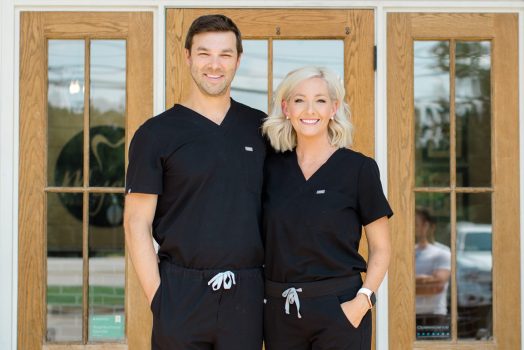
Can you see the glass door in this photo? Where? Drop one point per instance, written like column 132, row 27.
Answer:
column 454, row 177
column 85, row 85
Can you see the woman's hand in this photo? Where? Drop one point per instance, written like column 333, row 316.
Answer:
column 152, row 292
column 355, row 309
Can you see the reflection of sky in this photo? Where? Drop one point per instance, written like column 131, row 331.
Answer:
column 108, row 75
column 66, row 74
column 292, row 54
column 250, row 84
column 65, row 69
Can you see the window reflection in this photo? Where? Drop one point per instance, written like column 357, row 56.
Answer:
column 292, row 54
column 431, row 98
column 250, row 83
column 65, row 110
column 64, row 270
column 433, row 266
column 474, row 266
column 473, row 111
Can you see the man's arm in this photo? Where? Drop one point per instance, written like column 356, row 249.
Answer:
column 432, row 284
column 138, row 220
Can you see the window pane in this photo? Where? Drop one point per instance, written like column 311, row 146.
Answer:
column 474, row 266
column 106, row 267
column 433, row 266
column 107, row 113
column 431, row 98
column 292, row 54
column 64, row 268
column 65, row 110
column 250, row 83
column 473, row 111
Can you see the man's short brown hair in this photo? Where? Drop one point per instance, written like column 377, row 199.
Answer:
column 213, row 23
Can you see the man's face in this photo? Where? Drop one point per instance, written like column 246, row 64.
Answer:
column 213, row 61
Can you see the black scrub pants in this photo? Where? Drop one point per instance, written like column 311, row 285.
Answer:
column 189, row 315
column 323, row 324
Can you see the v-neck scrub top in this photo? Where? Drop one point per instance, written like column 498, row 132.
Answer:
column 313, row 227
column 208, row 179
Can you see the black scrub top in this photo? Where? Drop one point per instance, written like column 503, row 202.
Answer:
column 313, row 227
column 208, row 179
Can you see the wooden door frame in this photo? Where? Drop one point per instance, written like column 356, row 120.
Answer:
column 35, row 29
column 502, row 30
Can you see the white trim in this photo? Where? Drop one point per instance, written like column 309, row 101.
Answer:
column 8, row 180
column 447, row 5
column 381, row 156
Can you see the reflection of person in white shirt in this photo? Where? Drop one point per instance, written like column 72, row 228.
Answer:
column 433, row 270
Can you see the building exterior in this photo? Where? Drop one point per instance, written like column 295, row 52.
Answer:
column 436, row 90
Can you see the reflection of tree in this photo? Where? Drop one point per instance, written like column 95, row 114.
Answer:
column 473, row 118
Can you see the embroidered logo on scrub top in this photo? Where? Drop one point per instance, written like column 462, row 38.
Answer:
column 248, row 148
column 321, row 191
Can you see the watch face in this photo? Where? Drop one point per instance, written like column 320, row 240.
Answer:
column 373, row 299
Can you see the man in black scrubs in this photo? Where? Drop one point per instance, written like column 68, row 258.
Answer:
column 194, row 182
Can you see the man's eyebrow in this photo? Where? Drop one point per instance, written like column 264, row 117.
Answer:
column 202, row 48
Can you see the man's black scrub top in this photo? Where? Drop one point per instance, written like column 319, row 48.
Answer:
column 208, row 179
column 313, row 228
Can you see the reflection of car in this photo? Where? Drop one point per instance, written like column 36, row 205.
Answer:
column 474, row 262
column 474, row 278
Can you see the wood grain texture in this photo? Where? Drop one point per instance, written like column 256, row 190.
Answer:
column 139, row 109
column 452, row 25
column 36, row 28
column 403, row 29
column 31, row 241
column 401, row 181
column 506, row 223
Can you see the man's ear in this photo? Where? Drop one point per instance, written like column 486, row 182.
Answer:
column 188, row 55
column 238, row 60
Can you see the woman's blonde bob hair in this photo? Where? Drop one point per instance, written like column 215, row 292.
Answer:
column 280, row 131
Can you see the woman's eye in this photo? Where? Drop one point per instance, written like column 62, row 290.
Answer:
column 298, row 100
column 321, row 100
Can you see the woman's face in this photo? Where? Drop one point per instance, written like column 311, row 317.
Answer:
column 309, row 108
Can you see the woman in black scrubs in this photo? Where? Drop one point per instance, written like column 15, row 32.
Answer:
column 318, row 196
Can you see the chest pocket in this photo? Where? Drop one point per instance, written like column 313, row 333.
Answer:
column 330, row 210
column 253, row 167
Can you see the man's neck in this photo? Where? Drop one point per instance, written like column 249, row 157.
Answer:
column 212, row 107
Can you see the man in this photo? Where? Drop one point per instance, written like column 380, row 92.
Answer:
column 433, row 270
column 194, row 181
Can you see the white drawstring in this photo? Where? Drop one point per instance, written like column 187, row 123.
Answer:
column 227, row 278
column 291, row 296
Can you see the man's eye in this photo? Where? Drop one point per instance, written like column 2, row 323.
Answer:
column 203, row 54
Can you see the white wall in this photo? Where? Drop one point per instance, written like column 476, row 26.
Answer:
column 9, row 48
column 8, row 175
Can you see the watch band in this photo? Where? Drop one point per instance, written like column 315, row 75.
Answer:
column 369, row 295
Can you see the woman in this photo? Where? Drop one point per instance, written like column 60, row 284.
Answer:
column 318, row 195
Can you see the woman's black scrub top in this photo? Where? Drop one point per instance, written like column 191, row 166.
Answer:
column 313, row 227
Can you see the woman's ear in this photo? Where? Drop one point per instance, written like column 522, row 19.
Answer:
column 284, row 108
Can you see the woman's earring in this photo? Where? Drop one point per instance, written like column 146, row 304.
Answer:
column 287, row 117
column 332, row 117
